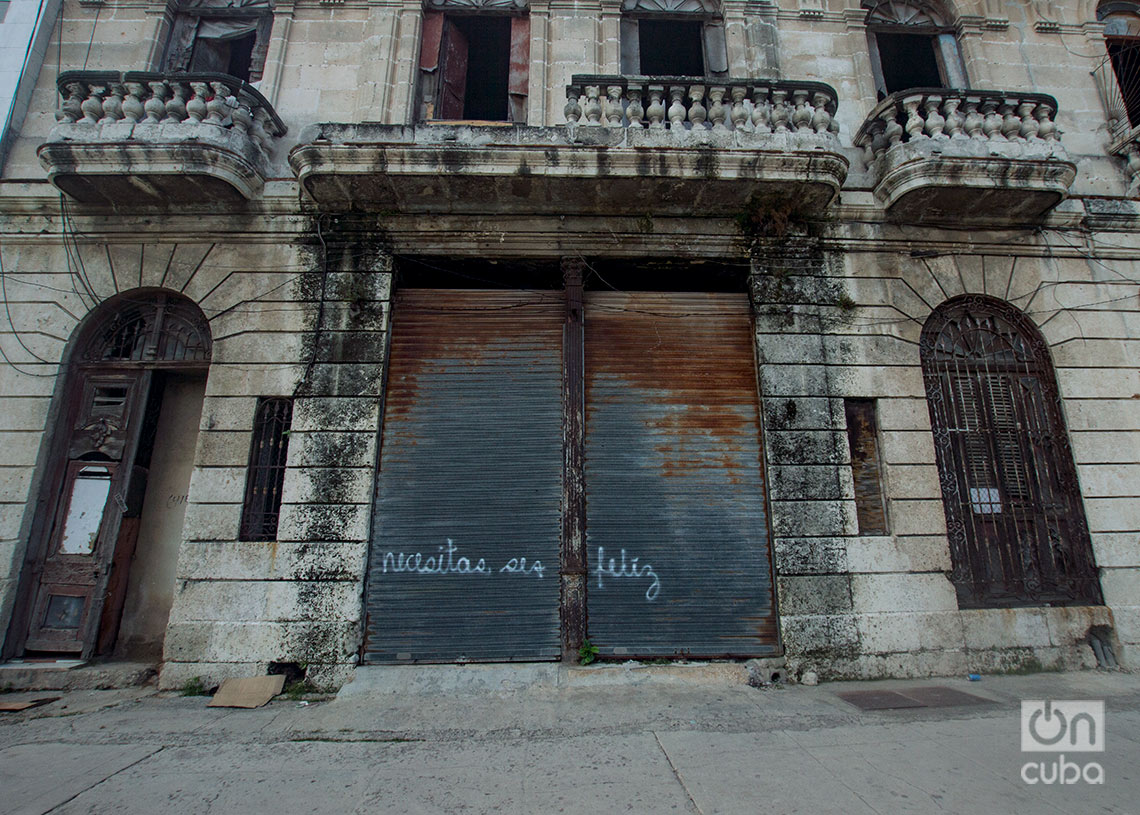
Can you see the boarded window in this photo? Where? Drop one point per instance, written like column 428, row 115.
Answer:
column 866, row 466
column 266, row 474
column 474, row 67
column 1018, row 534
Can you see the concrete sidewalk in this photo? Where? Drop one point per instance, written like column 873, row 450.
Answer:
column 540, row 739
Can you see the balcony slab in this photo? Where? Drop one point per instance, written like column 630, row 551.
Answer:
column 474, row 169
column 969, row 181
column 124, row 164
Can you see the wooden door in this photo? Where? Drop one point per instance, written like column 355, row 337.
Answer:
column 98, row 484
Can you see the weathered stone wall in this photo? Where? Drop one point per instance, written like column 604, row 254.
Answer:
column 298, row 306
column 873, row 606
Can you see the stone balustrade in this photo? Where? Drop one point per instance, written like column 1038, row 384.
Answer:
column 217, row 100
column 676, row 103
column 149, row 139
column 941, row 155
column 944, row 113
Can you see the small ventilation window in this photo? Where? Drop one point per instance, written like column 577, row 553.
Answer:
column 866, row 466
column 266, row 474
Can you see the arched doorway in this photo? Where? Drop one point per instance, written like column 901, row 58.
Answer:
column 912, row 45
column 124, row 432
column 1017, row 528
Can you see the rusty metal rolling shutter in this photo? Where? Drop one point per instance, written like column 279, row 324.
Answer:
column 677, row 532
column 470, row 471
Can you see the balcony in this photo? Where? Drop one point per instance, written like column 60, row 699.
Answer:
column 630, row 145
column 966, row 156
column 159, row 140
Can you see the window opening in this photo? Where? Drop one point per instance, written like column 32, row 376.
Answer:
column 266, row 474
column 474, row 67
column 908, row 61
column 220, row 36
column 1122, row 41
column 670, row 48
column 912, row 46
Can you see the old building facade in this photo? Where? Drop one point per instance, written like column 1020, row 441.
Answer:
column 477, row 330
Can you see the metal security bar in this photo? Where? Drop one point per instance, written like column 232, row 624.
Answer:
column 1018, row 534
column 266, row 473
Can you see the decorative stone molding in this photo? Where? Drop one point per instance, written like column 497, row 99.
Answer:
column 671, row 6
column 478, row 5
column 812, row 9
column 700, row 151
column 159, row 139
column 967, row 156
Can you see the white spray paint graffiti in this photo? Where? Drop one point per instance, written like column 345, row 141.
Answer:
column 630, row 569
column 447, row 563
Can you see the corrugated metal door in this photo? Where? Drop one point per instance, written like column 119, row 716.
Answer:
column 465, row 538
column 677, row 532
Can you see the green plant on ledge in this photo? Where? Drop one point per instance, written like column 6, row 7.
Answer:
column 587, row 653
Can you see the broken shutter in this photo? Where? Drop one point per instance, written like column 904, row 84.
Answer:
column 518, row 78
column 453, row 72
column 429, row 63
column 630, row 47
column 677, row 531
column 465, row 538
column 716, row 49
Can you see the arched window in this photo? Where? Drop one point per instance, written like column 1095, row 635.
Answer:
column 912, row 45
column 1122, row 41
column 1017, row 529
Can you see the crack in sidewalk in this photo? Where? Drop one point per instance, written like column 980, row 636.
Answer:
column 677, row 775
column 108, row 777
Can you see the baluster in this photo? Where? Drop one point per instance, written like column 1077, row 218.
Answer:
column 914, row 124
column 740, row 120
column 935, row 121
column 259, row 131
column 718, row 113
column 219, row 107
column 656, row 110
column 593, row 107
column 176, row 105
column 780, row 112
column 155, row 105
column 801, row 116
column 876, row 145
column 92, row 106
column 614, row 112
column 113, row 104
column 697, row 112
column 1047, row 129
column 1029, row 125
column 1132, row 158
column 953, row 118
column 133, row 109
column 196, row 106
column 761, row 111
column 634, row 111
column 991, row 125
column 973, row 122
column 1011, row 124
column 71, row 108
column 242, row 117
column 573, row 109
column 821, row 119
column 677, row 108
column 893, row 129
